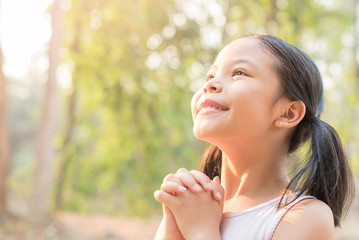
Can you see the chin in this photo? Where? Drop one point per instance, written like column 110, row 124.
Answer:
column 204, row 134
column 199, row 133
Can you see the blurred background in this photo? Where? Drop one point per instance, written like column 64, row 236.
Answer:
column 95, row 102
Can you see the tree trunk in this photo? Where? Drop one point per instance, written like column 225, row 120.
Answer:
column 65, row 159
column 45, row 150
column 4, row 137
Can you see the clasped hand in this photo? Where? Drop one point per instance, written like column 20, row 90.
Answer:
column 193, row 206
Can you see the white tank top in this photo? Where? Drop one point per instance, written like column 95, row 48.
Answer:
column 256, row 223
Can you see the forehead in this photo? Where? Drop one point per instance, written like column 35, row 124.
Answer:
column 247, row 48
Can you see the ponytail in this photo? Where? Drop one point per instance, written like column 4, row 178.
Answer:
column 326, row 175
column 212, row 162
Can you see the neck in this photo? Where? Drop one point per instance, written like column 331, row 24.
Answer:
column 256, row 174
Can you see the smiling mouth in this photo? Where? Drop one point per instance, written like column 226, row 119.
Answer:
column 207, row 110
column 211, row 106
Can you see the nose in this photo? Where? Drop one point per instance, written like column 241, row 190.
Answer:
column 212, row 87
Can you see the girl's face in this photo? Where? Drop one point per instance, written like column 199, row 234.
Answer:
column 239, row 98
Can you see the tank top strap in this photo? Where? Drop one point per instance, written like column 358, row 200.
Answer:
column 282, row 211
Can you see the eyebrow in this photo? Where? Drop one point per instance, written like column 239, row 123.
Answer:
column 245, row 61
column 237, row 60
column 212, row 67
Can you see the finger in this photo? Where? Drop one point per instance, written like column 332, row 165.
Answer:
column 172, row 178
column 207, row 183
column 188, row 180
column 220, row 193
column 172, row 188
column 216, row 195
column 203, row 180
column 165, row 198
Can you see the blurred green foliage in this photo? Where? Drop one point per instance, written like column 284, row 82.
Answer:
column 126, row 119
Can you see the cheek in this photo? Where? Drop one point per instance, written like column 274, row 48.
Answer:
column 194, row 102
column 250, row 111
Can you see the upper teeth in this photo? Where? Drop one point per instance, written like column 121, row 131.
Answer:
column 213, row 107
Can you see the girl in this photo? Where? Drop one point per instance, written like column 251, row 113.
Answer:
column 261, row 100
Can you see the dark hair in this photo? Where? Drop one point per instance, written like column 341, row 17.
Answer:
column 326, row 174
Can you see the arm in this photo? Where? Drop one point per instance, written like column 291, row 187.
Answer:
column 310, row 220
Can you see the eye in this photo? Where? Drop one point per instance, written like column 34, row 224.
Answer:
column 209, row 77
column 239, row 73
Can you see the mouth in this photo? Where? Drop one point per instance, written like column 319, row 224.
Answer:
column 210, row 106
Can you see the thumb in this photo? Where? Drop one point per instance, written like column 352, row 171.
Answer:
column 216, row 180
column 218, row 185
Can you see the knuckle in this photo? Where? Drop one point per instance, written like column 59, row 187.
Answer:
column 163, row 186
column 182, row 170
column 168, row 177
column 200, row 176
column 158, row 195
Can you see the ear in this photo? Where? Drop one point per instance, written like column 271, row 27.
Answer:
column 293, row 113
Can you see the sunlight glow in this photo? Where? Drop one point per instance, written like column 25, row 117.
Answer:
column 25, row 29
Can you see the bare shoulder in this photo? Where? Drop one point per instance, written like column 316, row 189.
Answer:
column 308, row 219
